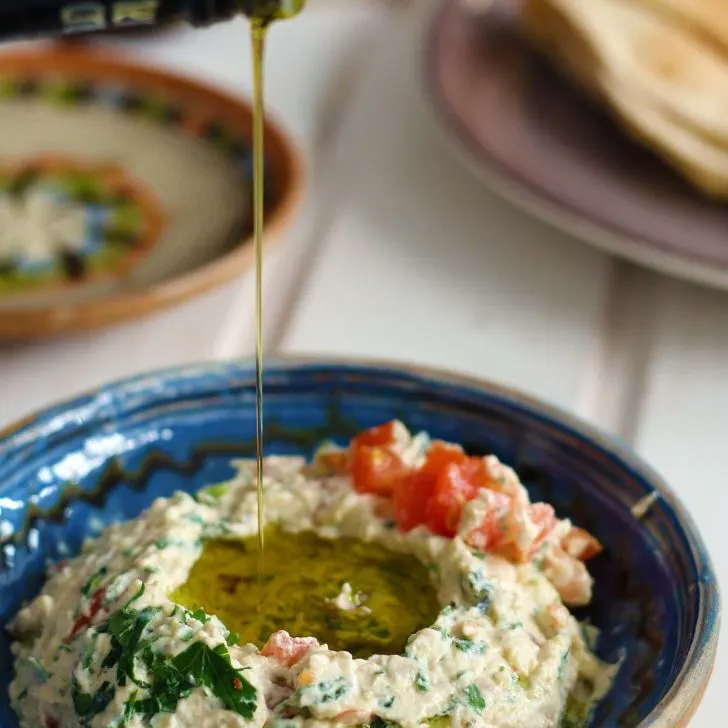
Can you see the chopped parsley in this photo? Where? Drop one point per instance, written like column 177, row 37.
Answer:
column 126, row 627
column 170, row 679
column 422, row 682
column 327, row 691
column 475, row 698
column 94, row 581
column 88, row 705
column 214, row 491
column 473, row 648
column 40, row 672
column 200, row 615
column 562, row 664
column 197, row 666
column 479, row 588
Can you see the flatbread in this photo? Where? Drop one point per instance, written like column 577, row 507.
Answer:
column 652, row 56
column 670, row 92
column 697, row 160
column 706, row 18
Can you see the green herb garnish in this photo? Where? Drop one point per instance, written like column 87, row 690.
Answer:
column 171, row 679
column 94, row 580
column 197, row 666
column 327, row 691
column 214, row 491
column 475, row 699
column 562, row 664
column 473, row 648
column 200, row 615
column 88, row 705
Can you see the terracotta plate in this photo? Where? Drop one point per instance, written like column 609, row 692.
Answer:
column 123, row 189
column 537, row 141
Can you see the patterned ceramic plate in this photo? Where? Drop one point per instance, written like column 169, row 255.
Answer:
column 122, row 187
column 537, row 141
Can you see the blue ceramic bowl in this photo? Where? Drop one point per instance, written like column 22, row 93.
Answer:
column 103, row 457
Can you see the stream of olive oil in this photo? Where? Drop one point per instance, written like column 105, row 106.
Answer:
column 261, row 14
column 258, row 31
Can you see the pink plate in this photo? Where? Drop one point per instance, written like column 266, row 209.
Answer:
column 541, row 144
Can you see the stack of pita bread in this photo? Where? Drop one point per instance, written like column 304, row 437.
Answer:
column 660, row 66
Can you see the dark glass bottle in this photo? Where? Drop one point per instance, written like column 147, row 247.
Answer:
column 38, row 18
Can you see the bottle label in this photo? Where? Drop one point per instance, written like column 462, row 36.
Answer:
column 134, row 12
column 87, row 17
column 83, row 17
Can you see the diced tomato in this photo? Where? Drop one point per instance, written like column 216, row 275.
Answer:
column 490, row 534
column 442, row 454
column 413, row 493
column 544, row 518
column 50, row 722
column 581, row 545
column 410, row 499
column 84, row 619
column 457, row 484
column 377, row 470
column 287, row 650
column 377, row 436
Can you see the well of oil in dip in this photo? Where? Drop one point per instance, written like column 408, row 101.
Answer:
column 261, row 14
column 304, row 574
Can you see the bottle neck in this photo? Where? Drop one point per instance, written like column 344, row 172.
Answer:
column 21, row 19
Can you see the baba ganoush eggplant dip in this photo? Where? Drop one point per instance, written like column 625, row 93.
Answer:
column 404, row 583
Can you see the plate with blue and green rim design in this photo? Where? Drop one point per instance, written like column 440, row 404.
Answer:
column 123, row 186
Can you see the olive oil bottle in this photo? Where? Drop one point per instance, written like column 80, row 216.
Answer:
column 37, row 18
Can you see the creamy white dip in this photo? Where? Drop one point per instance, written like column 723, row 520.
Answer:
column 503, row 653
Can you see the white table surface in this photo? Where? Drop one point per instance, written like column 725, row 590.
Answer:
column 399, row 253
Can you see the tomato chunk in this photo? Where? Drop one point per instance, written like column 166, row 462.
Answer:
column 377, row 436
column 377, row 470
column 581, row 545
column 440, row 455
column 287, row 650
column 491, row 532
column 410, row 499
column 544, row 518
column 413, row 493
column 457, row 484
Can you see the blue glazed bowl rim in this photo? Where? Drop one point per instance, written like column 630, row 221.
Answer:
column 127, row 396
